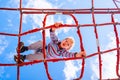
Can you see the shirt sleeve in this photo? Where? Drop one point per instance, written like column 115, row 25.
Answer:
column 53, row 37
column 65, row 53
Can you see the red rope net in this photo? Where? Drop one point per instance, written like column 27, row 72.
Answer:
column 69, row 12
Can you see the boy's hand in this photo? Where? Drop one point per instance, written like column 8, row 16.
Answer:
column 81, row 54
column 56, row 25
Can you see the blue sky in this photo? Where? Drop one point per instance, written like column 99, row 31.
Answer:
column 9, row 23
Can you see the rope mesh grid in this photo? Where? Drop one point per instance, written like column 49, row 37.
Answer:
column 70, row 12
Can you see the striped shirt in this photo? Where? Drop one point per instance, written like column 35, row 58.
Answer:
column 53, row 50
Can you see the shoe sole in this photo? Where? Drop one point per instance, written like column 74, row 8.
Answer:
column 21, row 45
column 16, row 59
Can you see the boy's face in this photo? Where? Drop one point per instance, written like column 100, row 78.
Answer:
column 66, row 44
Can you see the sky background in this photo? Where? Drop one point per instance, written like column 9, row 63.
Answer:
column 68, row 70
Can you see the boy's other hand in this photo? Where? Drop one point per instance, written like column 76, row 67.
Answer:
column 81, row 54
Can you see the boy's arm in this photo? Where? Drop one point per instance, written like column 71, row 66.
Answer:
column 66, row 53
column 53, row 36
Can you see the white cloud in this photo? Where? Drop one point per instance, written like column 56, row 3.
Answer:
column 71, row 1
column 39, row 4
column 95, row 69
column 14, row 3
column 71, row 69
column 108, row 62
column 3, row 44
column 38, row 18
column 10, row 23
column 9, row 57
column 42, row 4
column 69, row 20
column 3, row 74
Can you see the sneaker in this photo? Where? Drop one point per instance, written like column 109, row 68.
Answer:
column 22, row 58
column 21, row 47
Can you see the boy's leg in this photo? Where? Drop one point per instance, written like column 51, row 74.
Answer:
column 37, row 55
column 32, row 57
column 33, row 46
column 36, row 45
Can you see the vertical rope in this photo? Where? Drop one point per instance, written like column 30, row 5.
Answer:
column 97, row 41
column 117, row 45
column 82, row 49
column 44, row 43
column 19, row 37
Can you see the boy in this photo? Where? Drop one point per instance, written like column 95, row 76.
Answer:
column 54, row 49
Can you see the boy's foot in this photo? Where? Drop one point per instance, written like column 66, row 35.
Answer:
column 21, row 60
column 22, row 48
